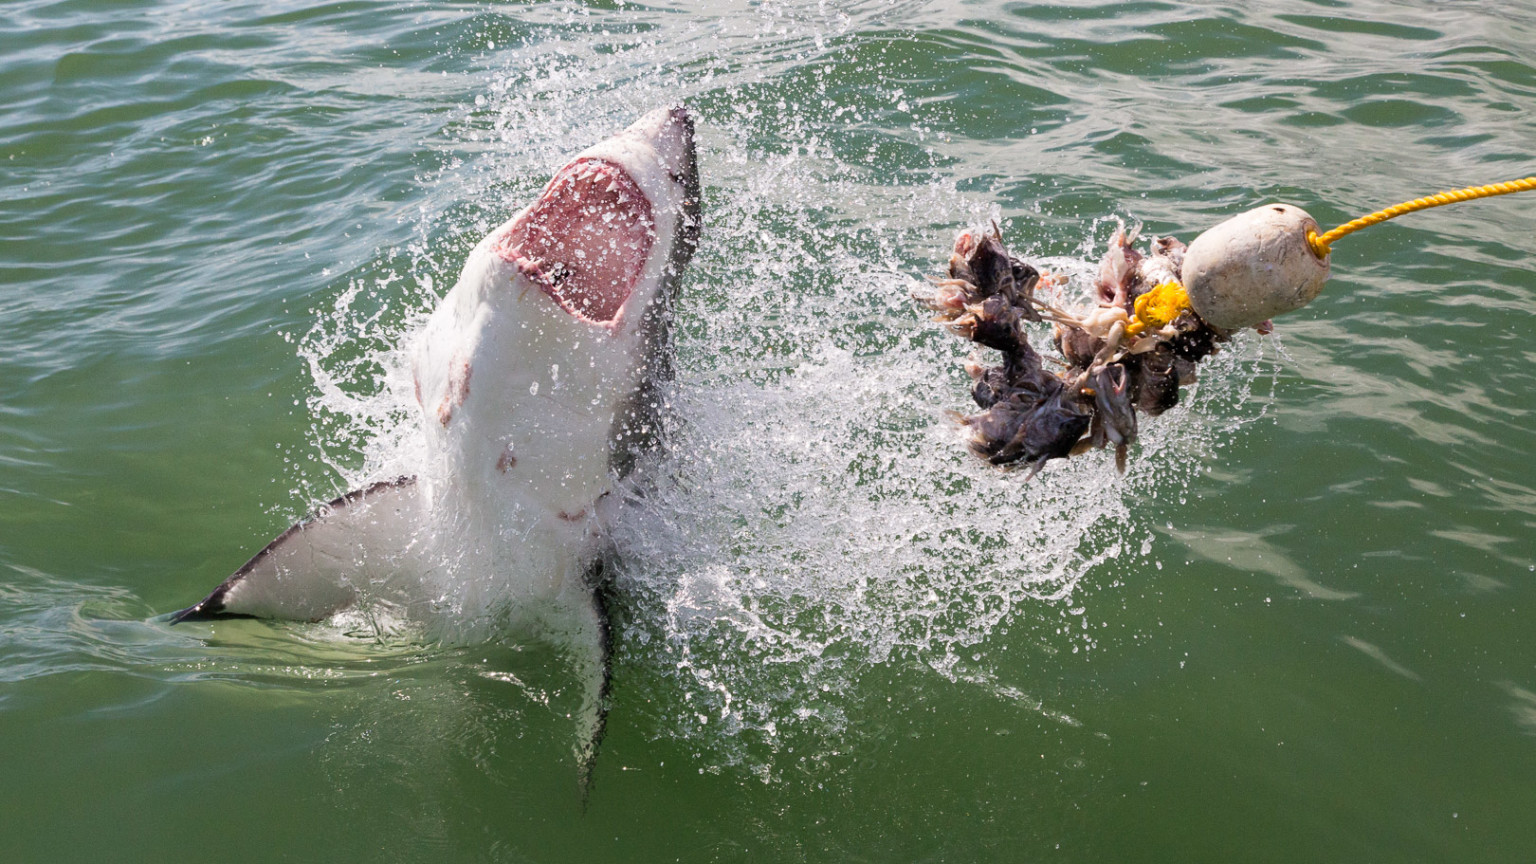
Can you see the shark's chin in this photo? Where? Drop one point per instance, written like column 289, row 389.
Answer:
column 585, row 242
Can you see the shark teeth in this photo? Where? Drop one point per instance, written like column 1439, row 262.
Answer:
column 585, row 241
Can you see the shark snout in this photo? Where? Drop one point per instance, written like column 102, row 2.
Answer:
column 669, row 132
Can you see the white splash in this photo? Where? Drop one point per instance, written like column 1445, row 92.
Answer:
column 816, row 515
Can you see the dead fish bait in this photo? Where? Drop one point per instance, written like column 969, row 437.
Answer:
column 1158, row 315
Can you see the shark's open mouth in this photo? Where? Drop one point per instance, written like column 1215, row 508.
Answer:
column 586, row 240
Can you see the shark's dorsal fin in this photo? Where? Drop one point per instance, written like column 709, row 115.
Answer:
column 322, row 563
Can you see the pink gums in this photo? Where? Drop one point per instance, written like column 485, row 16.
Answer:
column 586, row 240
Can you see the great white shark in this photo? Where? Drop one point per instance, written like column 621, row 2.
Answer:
column 536, row 378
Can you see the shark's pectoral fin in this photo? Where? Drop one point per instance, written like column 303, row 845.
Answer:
column 325, row 562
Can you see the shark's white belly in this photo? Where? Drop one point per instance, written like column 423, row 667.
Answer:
column 518, row 404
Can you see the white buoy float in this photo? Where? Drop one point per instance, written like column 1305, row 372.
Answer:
column 1254, row 266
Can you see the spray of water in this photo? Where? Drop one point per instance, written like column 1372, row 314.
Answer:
column 815, row 515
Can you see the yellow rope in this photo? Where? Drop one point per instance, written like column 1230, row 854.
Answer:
column 1321, row 243
column 1167, row 301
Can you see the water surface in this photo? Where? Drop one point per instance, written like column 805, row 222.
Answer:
column 1297, row 629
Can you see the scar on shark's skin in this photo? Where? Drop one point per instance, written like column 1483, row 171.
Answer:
column 507, row 461
column 458, row 390
column 573, row 517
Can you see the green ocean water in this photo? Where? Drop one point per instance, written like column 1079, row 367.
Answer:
column 1298, row 629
